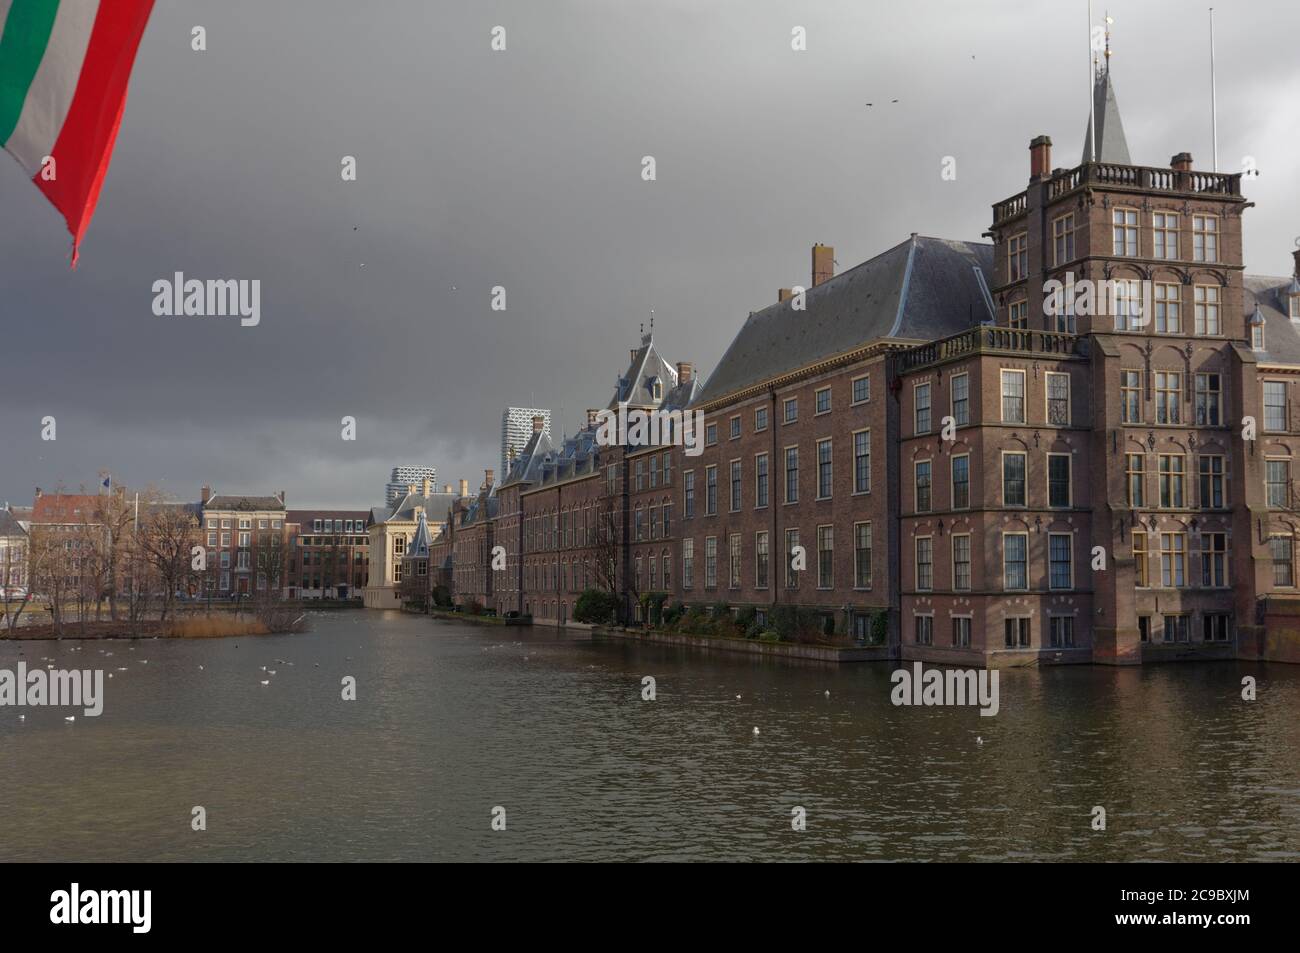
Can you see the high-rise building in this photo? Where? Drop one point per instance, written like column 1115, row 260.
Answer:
column 403, row 478
column 517, row 430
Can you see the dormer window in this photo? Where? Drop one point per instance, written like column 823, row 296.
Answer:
column 656, row 389
column 1295, row 307
column 1257, row 337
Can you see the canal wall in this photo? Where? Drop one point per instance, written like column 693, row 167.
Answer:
column 821, row 653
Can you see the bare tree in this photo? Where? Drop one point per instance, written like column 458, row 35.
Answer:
column 167, row 535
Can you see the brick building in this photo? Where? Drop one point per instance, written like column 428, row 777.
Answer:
column 329, row 554
column 1075, row 443
column 247, row 543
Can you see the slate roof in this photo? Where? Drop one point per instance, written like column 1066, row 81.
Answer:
column 435, row 504
column 244, row 503
column 9, row 525
column 1281, row 334
column 922, row 289
column 636, row 385
column 418, row 548
column 1112, row 146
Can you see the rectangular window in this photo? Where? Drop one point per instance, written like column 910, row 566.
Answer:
column 1176, row 628
column 1013, row 397
column 1164, row 228
column 1205, row 238
column 640, row 475
column 760, row 419
column 1063, row 239
column 760, row 560
column 961, row 563
column 1279, row 548
column 654, row 470
column 862, row 461
column 1207, row 309
column 1211, row 482
column 1015, row 561
column 1058, row 399
column 961, row 482
column 792, row 474
column 688, row 563
column 1215, row 627
column 822, row 401
column 961, row 631
column 1167, row 301
column 1214, row 559
column 1016, row 632
column 791, row 574
column 1130, row 396
column 710, row 490
column 961, row 399
column 1058, row 479
column 861, row 390
column 710, row 435
column 1017, row 257
column 1171, row 480
column 1061, row 628
column 1060, row 555
column 1135, row 479
column 1209, row 400
column 924, row 563
column 1013, row 479
column 921, row 393
column 925, row 630
column 1140, row 558
column 1125, row 232
column 1277, row 482
column 824, row 474
column 1169, row 385
column 1173, row 559
column 710, row 562
column 1275, row 405
column 760, row 480
column 790, row 407
column 862, row 555
column 1127, row 304
column 825, row 558
column 735, row 486
column 735, row 427
column 1018, row 315
column 688, row 494
column 923, row 499
column 1144, row 628
column 733, row 560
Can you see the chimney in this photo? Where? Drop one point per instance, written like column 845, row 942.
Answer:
column 489, row 477
column 685, row 372
column 282, row 498
column 38, row 492
column 592, row 414
column 1295, row 254
column 428, row 486
column 410, row 488
column 206, row 494
column 784, row 294
column 823, row 263
column 446, row 488
column 1040, row 157
column 1181, row 162
column 464, row 487
column 538, row 422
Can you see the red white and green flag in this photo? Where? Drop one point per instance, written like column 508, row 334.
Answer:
column 64, row 66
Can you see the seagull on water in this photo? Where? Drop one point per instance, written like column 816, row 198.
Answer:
column 755, row 729
column 266, row 681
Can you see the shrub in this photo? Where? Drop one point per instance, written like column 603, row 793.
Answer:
column 473, row 607
column 441, row 597
column 880, row 628
column 595, row 606
column 673, row 613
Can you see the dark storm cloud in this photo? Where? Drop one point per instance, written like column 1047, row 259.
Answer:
column 522, row 169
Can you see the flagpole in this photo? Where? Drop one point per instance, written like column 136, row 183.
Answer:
column 1214, row 99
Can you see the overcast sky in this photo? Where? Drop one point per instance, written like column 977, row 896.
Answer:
column 522, row 169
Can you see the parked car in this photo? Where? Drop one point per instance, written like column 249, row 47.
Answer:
column 13, row 594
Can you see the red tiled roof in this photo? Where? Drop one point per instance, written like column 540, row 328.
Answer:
column 65, row 508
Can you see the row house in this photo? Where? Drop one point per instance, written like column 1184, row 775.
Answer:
column 328, row 555
column 13, row 554
column 247, row 543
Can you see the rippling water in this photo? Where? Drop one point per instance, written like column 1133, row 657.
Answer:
column 453, row 720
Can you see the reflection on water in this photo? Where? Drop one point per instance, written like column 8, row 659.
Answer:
column 453, row 720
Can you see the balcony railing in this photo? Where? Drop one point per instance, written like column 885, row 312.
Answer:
column 1137, row 177
column 990, row 339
